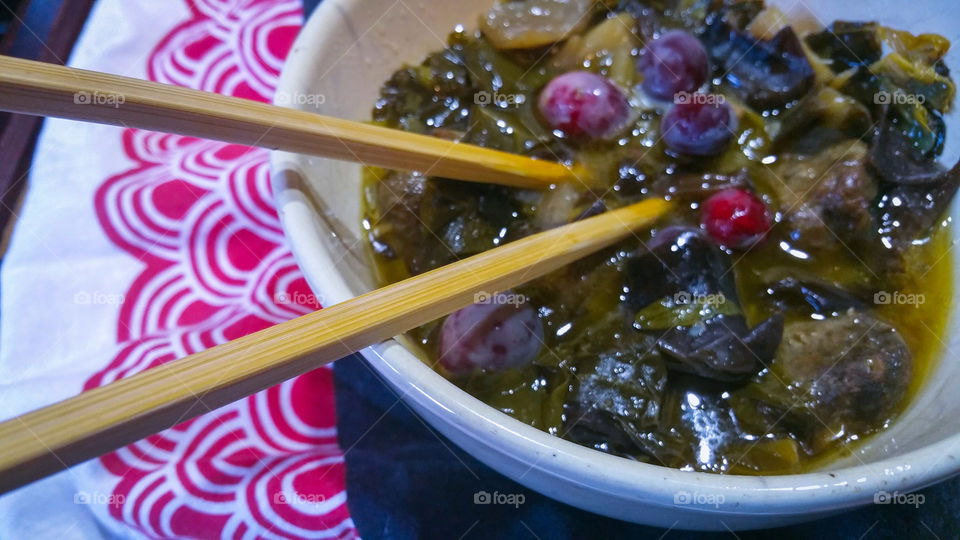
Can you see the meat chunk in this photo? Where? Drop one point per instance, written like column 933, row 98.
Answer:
column 402, row 197
column 851, row 371
column 826, row 198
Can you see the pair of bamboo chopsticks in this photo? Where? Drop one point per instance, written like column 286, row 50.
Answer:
column 46, row 441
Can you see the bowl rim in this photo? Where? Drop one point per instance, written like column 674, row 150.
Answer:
column 794, row 494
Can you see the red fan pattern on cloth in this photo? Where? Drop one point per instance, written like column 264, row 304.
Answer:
column 200, row 218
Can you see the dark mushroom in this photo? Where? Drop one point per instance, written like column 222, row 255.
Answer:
column 906, row 212
column 767, row 74
column 813, row 297
column 678, row 260
column 687, row 293
column 896, row 159
column 721, row 348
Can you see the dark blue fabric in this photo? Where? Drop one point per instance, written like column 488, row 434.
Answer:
column 405, row 481
column 309, row 6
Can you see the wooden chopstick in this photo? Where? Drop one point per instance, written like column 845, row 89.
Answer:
column 48, row 440
column 42, row 89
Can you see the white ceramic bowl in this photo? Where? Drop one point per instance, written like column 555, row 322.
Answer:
column 345, row 52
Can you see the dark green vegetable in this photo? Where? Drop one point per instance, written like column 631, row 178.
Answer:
column 534, row 396
column 827, row 109
column 848, row 45
column 668, row 313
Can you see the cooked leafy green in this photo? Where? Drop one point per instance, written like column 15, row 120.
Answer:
column 668, row 313
column 911, row 82
column 533, row 395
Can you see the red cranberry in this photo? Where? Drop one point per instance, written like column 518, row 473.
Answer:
column 736, row 218
column 580, row 103
column 490, row 336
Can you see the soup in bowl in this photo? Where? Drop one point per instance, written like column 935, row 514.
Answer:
column 790, row 319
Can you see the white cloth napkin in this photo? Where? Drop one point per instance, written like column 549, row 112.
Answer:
column 62, row 285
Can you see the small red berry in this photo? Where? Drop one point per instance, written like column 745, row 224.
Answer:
column 736, row 218
column 580, row 103
column 490, row 336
